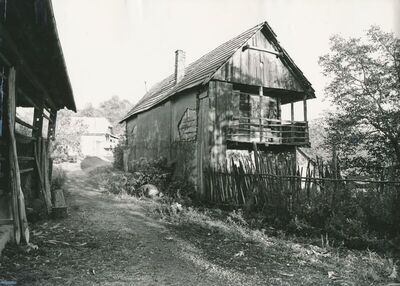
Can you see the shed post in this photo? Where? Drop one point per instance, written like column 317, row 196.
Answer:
column 51, row 131
column 52, row 125
column 18, row 202
column 38, row 121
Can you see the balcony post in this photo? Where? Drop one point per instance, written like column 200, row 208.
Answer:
column 261, row 93
column 305, row 107
column 279, row 105
column 292, row 112
column 292, row 122
column 305, row 117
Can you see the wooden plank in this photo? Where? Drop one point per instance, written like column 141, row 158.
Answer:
column 45, row 173
column 47, row 117
column 19, row 213
column 22, row 139
column 25, row 158
column 223, row 94
column 23, row 123
column 38, row 121
column 28, row 170
column 6, row 221
column 39, row 169
column 261, row 94
column 202, row 142
column 212, row 123
column 292, row 112
column 305, row 108
column 254, row 48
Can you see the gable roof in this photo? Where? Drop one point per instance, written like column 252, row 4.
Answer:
column 202, row 70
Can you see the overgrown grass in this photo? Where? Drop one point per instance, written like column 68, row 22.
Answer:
column 58, row 179
column 143, row 172
column 342, row 265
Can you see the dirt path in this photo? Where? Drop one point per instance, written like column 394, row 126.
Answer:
column 111, row 241
column 106, row 241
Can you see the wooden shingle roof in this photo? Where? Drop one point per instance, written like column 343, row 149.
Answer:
column 201, row 71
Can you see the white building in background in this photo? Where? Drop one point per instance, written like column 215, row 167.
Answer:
column 98, row 139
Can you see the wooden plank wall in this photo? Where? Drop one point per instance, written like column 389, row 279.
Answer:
column 220, row 113
column 203, row 140
column 258, row 68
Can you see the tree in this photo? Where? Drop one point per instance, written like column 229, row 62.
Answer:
column 364, row 87
column 67, row 134
column 90, row 111
column 113, row 109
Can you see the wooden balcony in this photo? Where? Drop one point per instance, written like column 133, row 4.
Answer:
column 268, row 131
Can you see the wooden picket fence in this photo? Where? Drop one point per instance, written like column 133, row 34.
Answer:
column 282, row 190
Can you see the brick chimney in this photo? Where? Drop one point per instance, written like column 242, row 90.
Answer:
column 179, row 65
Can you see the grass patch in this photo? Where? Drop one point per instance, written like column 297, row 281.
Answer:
column 58, row 178
column 230, row 235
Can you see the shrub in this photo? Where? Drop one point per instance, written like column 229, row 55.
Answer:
column 118, row 153
column 155, row 172
column 58, row 179
column 181, row 190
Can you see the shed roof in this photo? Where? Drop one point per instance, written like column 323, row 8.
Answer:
column 30, row 39
column 202, row 70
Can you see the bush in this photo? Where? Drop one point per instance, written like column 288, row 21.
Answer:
column 58, row 179
column 155, row 172
column 118, row 153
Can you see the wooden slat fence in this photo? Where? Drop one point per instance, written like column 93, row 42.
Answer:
column 281, row 190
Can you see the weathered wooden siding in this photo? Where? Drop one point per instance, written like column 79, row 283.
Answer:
column 220, row 112
column 149, row 134
column 184, row 131
column 167, row 131
column 258, row 68
column 180, row 106
column 203, row 142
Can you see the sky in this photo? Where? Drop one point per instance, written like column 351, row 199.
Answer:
column 118, row 47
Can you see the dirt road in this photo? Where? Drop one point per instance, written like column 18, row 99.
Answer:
column 106, row 241
column 111, row 241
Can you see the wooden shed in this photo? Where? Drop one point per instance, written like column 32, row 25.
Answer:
column 227, row 100
column 32, row 75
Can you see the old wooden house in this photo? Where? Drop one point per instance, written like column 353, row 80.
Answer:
column 32, row 76
column 228, row 100
column 99, row 139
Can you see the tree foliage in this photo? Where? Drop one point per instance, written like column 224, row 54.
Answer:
column 113, row 109
column 67, row 134
column 364, row 86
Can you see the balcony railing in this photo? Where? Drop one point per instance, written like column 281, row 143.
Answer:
column 269, row 131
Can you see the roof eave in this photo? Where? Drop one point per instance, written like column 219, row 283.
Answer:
column 71, row 104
